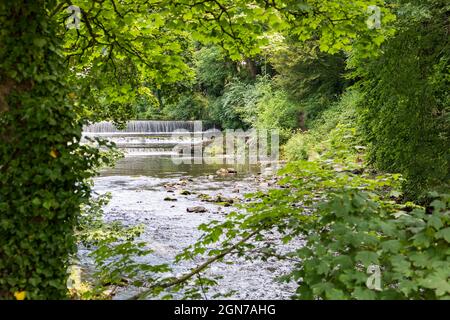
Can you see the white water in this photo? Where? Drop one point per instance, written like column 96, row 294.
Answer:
column 143, row 126
column 138, row 192
column 141, row 137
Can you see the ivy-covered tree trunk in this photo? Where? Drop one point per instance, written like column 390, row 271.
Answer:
column 41, row 164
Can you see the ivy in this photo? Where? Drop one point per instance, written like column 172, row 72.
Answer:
column 43, row 167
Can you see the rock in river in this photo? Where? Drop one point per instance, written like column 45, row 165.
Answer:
column 196, row 209
column 224, row 172
column 170, row 199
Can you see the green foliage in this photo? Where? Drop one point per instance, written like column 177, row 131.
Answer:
column 258, row 105
column 126, row 58
column 406, row 101
column 189, row 107
column 304, row 71
column 43, row 168
column 276, row 111
column 409, row 247
column 212, row 70
column 313, row 78
column 230, row 109
column 339, row 116
column 147, row 105
column 243, row 30
column 115, row 250
column 120, row 47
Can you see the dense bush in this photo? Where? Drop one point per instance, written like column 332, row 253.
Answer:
column 406, row 101
column 213, row 70
column 258, row 105
column 190, row 106
column 237, row 107
column 277, row 111
column 308, row 144
column 365, row 237
column 147, row 105
column 308, row 76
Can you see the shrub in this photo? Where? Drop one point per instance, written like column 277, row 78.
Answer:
column 212, row 70
column 310, row 77
column 356, row 236
column 406, row 102
column 257, row 105
column 190, row 106
column 237, row 107
column 300, row 146
column 304, row 145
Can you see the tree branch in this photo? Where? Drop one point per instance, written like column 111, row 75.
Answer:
column 193, row 272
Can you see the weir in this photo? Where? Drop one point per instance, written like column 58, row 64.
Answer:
column 147, row 137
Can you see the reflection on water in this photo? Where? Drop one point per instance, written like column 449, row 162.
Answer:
column 164, row 166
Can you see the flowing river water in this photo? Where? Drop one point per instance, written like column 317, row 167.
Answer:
column 140, row 184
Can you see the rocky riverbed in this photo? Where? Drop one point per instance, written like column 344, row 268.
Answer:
column 172, row 203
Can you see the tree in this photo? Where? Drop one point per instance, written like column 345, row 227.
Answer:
column 43, row 167
column 311, row 78
column 52, row 78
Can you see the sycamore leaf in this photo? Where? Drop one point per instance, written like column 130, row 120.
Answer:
column 367, row 257
column 443, row 234
column 439, row 281
column 364, row 294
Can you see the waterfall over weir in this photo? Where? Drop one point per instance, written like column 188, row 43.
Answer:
column 140, row 137
column 144, row 126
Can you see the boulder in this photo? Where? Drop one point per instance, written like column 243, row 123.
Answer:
column 219, row 199
column 170, row 199
column 196, row 209
column 222, row 172
column 227, row 171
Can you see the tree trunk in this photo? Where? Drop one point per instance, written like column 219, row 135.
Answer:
column 41, row 169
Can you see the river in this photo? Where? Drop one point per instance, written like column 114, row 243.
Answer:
column 140, row 185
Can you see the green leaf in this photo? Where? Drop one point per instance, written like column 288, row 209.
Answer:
column 364, row 294
column 40, row 42
column 391, row 245
column 335, row 294
column 443, row 234
column 367, row 257
column 400, row 264
column 439, row 281
column 435, row 221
